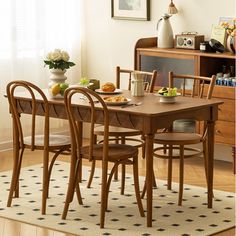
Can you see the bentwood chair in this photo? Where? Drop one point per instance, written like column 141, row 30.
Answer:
column 177, row 145
column 26, row 137
column 115, row 154
column 118, row 134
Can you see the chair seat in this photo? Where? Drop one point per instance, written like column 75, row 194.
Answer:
column 117, row 131
column 175, row 138
column 116, row 152
column 54, row 140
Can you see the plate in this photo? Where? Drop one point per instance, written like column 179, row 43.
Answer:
column 117, row 103
column 100, row 91
column 167, row 99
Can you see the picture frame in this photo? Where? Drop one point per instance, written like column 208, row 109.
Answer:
column 130, row 9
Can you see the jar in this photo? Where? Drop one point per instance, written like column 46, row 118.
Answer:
column 220, row 81
column 234, row 82
column 227, row 81
column 203, row 47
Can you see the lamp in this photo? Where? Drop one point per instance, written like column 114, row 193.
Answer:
column 172, row 8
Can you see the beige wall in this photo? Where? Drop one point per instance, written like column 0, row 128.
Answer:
column 110, row 42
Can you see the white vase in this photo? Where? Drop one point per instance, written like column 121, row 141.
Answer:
column 165, row 37
column 57, row 78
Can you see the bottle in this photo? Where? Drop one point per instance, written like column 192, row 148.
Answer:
column 232, row 71
column 224, row 69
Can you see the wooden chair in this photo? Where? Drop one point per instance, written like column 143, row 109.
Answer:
column 45, row 141
column 106, row 153
column 192, row 86
column 123, row 135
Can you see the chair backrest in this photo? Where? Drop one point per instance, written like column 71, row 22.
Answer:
column 149, row 77
column 97, row 113
column 33, row 92
column 192, row 85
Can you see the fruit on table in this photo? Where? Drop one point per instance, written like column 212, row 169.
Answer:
column 167, row 91
column 55, row 89
column 84, row 81
column 63, row 87
column 162, row 90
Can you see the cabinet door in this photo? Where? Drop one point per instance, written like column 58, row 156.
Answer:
column 164, row 65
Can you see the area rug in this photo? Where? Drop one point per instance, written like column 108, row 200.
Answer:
column 193, row 218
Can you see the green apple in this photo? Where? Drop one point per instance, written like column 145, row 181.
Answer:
column 84, row 81
column 63, row 87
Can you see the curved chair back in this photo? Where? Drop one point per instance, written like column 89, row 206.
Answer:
column 192, row 85
column 150, row 78
column 15, row 108
column 97, row 113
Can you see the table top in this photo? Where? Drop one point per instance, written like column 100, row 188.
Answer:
column 150, row 104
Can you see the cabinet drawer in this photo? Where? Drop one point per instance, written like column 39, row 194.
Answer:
column 225, row 132
column 227, row 110
column 224, row 92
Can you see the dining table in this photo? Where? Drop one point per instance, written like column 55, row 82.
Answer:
column 148, row 116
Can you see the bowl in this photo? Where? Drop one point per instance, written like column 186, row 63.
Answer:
column 167, row 99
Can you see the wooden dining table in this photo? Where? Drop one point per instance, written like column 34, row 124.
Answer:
column 147, row 117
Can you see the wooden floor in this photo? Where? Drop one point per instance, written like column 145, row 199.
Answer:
column 194, row 174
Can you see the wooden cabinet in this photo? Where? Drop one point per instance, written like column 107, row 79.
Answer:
column 204, row 64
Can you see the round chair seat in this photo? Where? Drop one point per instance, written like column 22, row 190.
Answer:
column 54, row 140
column 177, row 138
column 116, row 152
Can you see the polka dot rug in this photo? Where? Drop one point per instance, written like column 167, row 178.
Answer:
column 122, row 218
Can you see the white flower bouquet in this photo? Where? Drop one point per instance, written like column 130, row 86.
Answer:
column 58, row 59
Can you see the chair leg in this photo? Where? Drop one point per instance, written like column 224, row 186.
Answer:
column 91, row 173
column 122, row 190
column 144, row 190
column 14, row 188
column 136, row 187
column 104, row 194
column 51, row 166
column 181, row 174
column 122, row 172
column 116, row 172
column 92, row 167
column 170, row 155
column 72, row 185
column 143, row 146
column 17, row 188
column 145, row 187
column 45, row 181
column 113, row 171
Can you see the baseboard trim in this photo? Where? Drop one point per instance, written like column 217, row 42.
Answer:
column 4, row 146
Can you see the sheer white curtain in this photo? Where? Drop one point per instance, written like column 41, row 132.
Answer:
column 30, row 29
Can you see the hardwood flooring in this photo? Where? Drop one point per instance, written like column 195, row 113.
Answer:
column 194, row 174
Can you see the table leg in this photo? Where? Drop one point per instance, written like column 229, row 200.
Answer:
column 149, row 175
column 210, row 148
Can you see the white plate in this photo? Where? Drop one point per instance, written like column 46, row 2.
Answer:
column 117, row 103
column 117, row 91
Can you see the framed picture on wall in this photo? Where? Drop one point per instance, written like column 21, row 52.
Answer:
column 130, row 9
